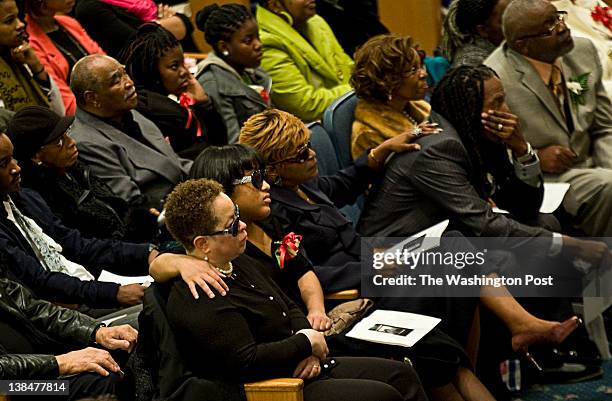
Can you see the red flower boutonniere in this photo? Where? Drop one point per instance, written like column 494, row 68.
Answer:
column 287, row 248
column 603, row 15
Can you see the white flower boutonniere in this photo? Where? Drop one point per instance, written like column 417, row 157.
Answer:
column 577, row 87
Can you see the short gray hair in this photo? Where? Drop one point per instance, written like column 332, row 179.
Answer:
column 83, row 78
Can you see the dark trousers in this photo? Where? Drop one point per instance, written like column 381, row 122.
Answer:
column 366, row 379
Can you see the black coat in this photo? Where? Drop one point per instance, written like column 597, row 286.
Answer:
column 94, row 254
column 173, row 121
column 84, row 202
column 44, row 324
column 332, row 244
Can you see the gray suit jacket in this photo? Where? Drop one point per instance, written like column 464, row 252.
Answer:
column 542, row 122
column 422, row 188
column 128, row 166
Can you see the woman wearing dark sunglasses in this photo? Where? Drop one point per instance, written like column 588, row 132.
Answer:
column 238, row 168
column 256, row 332
column 304, row 199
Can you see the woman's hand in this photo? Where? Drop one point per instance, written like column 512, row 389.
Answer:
column 308, row 368
column 317, row 342
column 506, row 127
column 164, row 11
column 319, row 320
column 196, row 91
column 24, row 54
column 402, row 142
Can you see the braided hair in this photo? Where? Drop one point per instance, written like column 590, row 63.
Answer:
column 459, row 98
column 141, row 55
column 221, row 22
column 461, row 21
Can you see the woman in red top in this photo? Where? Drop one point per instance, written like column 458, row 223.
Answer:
column 59, row 41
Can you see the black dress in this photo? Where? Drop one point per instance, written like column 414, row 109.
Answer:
column 435, row 357
column 250, row 334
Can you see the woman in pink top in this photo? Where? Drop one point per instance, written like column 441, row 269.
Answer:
column 59, row 41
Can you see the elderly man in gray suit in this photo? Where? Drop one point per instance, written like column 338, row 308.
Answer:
column 553, row 82
column 119, row 144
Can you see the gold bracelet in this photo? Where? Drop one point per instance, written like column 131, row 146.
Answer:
column 371, row 154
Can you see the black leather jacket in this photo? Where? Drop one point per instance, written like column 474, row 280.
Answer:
column 45, row 324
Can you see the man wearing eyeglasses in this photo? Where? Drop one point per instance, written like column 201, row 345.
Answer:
column 553, row 82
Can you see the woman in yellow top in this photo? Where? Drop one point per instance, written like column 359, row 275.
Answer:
column 309, row 68
column 390, row 81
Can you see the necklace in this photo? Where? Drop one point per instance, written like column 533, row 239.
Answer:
column 227, row 272
column 409, row 117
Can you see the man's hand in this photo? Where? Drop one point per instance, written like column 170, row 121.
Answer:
column 86, row 360
column 117, row 337
column 131, row 294
column 556, row 159
column 317, row 342
column 585, row 254
column 319, row 320
column 308, row 368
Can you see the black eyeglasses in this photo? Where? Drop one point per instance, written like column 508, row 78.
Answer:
column 302, row 154
column 233, row 230
column 256, row 178
column 560, row 18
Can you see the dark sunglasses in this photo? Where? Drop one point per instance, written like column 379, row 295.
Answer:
column 233, row 230
column 302, row 154
column 256, row 178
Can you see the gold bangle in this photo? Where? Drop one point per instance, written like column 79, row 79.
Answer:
column 371, row 154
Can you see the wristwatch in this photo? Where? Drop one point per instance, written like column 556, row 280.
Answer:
column 92, row 339
column 527, row 157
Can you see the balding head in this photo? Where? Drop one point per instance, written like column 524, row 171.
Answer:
column 83, row 77
column 102, row 87
column 533, row 28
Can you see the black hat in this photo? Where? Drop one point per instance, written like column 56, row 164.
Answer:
column 32, row 127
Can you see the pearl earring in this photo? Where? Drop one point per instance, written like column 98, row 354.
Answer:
column 225, row 53
column 206, row 258
column 390, row 97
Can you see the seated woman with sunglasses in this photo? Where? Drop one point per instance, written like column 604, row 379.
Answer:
column 256, row 332
column 309, row 204
column 48, row 159
column 437, row 358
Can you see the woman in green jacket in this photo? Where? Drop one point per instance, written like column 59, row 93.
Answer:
column 308, row 66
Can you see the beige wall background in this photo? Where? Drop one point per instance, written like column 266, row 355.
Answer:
column 420, row 19
column 417, row 18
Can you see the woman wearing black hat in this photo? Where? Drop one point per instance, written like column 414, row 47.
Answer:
column 48, row 158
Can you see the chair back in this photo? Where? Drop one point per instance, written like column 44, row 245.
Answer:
column 338, row 122
column 327, row 159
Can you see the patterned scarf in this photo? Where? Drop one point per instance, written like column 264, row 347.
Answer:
column 17, row 88
column 45, row 248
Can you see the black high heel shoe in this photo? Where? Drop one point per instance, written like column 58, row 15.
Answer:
column 555, row 336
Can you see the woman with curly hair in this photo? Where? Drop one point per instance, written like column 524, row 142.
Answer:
column 390, row 81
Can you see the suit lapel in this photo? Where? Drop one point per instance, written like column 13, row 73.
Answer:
column 155, row 157
column 533, row 82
